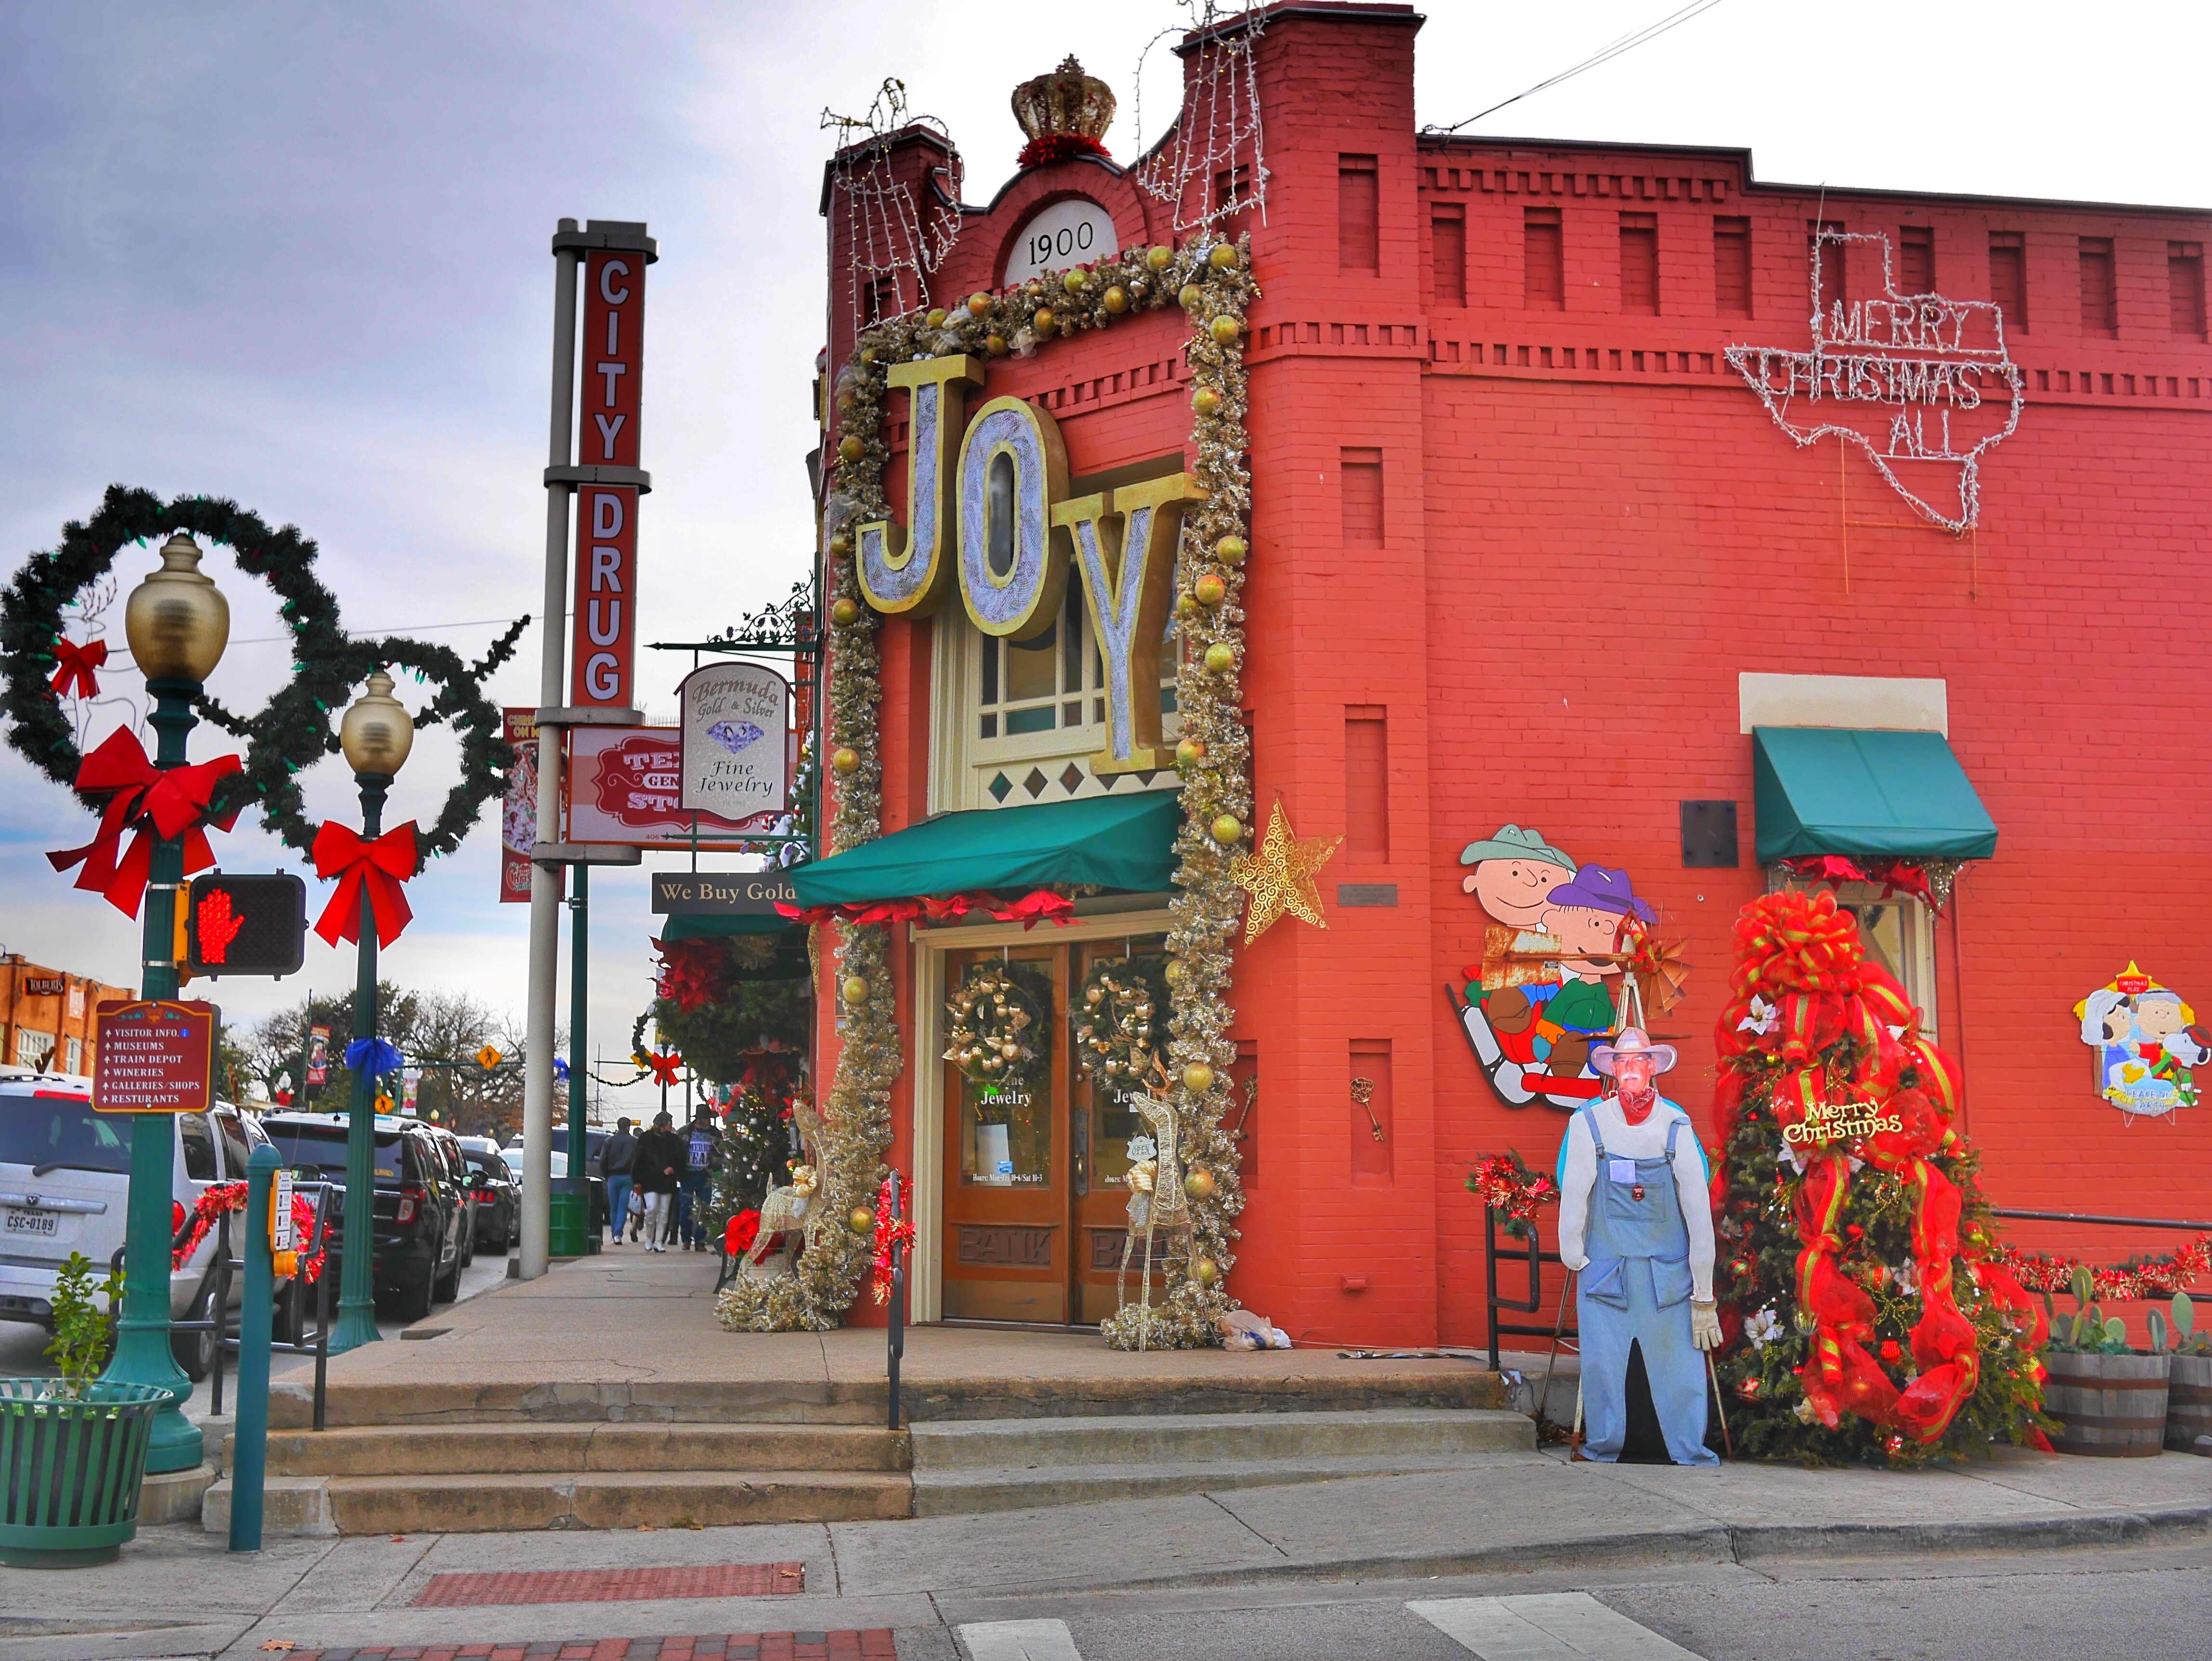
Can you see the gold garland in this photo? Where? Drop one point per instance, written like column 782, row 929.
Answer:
column 1213, row 284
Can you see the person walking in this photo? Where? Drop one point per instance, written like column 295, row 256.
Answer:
column 701, row 1143
column 617, row 1154
column 657, row 1170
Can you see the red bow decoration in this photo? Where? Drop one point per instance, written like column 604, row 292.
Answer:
column 153, row 802
column 381, row 865
column 76, row 664
column 664, row 1064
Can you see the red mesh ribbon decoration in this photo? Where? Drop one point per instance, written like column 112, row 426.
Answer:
column 152, row 803
column 690, row 972
column 1057, row 146
column 1031, row 908
column 75, row 665
column 892, row 1238
column 380, row 866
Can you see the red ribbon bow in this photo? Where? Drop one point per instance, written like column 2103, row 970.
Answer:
column 663, row 1063
column 157, row 804
column 76, row 664
column 381, row 865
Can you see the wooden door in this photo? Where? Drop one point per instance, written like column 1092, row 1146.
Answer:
column 1007, row 1169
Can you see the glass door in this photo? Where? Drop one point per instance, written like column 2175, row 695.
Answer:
column 1104, row 1117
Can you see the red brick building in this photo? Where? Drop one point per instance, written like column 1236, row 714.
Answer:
column 1527, row 549
column 48, row 1017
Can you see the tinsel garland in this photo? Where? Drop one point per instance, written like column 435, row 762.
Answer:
column 2128, row 1282
column 993, row 1030
column 219, row 1197
column 294, row 729
column 1213, row 281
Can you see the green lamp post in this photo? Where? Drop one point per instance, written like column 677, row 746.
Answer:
column 177, row 623
column 376, row 735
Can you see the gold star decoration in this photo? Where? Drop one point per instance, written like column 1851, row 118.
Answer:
column 1279, row 875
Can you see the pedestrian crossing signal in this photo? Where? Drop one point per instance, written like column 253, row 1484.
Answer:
column 245, row 925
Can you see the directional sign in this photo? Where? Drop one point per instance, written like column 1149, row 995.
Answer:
column 153, row 1056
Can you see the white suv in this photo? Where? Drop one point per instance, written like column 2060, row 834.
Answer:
column 65, row 1186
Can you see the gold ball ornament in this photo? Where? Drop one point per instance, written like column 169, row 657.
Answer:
column 1076, row 281
column 1209, row 590
column 1034, row 287
column 841, row 544
column 1177, row 972
column 1224, row 257
column 1204, row 1271
column 995, row 345
column 1220, row 659
column 1117, row 299
column 937, row 317
column 1200, row 1184
column 1229, row 550
column 1189, row 296
column 1159, row 257
column 845, row 760
column 1227, row 827
column 1225, row 329
column 844, row 612
column 1044, row 322
column 850, row 447
column 867, row 353
column 1205, row 400
column 1190, row 752
column 1186, row 607
column 1198, row 1078
column 855, row 989
column 978, row 303
column 861, row 1220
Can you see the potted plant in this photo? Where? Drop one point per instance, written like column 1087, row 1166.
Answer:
column 73, row 1448
column 2109, row 1399
column 2189, row 1399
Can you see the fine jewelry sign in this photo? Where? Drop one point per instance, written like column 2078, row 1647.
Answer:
column 155, row 1056
column 734, row 721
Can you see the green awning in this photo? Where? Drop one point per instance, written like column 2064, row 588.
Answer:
column 1869, row 794
column 1125, row 843
column 722, row 927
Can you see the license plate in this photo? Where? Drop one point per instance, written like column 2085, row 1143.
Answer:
column 30, row 1222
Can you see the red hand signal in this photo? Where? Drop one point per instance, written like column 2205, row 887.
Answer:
column 218, row 926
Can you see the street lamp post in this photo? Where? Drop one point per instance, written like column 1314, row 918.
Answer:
column 177, row 623
column 376, row 735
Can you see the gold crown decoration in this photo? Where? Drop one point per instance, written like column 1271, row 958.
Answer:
column 1065, row 113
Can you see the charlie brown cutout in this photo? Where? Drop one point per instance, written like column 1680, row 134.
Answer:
column 1540, row 997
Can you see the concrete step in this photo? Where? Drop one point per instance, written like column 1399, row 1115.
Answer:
column 1426, row 1434
column 292, row 1508
column 817, row 1401
column 554, row 1500
column 456, row 1451
column 952, row 1492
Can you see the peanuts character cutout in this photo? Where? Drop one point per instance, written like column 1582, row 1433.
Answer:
column 2148, row 1045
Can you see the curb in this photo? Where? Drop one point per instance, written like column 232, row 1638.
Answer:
column 1721, row 1542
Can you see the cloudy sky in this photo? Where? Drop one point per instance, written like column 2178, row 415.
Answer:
column 296, row 254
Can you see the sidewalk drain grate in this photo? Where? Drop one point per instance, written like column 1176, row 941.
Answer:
column 458, row 1591
column 873, row 1645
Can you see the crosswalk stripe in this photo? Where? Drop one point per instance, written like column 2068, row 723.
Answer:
column 1569, row 1626
column 1019, row 1640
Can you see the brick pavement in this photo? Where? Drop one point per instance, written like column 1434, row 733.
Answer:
column 873, row 1644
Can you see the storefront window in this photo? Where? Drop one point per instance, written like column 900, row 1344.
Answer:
column 1898, row 933
column 1005, row 1124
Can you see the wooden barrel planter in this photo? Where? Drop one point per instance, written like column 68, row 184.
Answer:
column 2112, row 1407
column 2188, row 1403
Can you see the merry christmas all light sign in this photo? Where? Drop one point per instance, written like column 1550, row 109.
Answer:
column 1923, row 384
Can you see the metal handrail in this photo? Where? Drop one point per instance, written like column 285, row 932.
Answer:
column 318, row 1346
column 2181, row 1223
column 1535, row 1258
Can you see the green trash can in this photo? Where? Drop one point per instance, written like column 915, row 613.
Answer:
column 71, row 1470
column 566, row 1227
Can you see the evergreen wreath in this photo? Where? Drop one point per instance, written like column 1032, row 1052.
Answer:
column 293, row 730
column 1118, row 1027
column 1211, row 283
column 995, row 1028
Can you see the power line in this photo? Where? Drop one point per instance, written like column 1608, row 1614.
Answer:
column 1604, row 54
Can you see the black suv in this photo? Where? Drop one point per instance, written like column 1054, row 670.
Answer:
column 421, row 1210
column 499, row 1196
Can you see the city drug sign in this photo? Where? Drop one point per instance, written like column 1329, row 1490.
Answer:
column 988, row 511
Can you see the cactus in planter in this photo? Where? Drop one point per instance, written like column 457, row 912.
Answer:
column 2156, row 1322
column 2187, row 1341
column 2091, row 1332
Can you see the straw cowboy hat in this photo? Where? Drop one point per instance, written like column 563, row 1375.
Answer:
column 1633, row 1041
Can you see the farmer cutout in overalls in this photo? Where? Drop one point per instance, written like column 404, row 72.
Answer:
column 1635, row 1223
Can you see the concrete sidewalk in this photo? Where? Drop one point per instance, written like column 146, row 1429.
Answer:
column 177, row 1592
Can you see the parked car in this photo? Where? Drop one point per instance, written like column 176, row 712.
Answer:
column 65, row 1186
column 457, row 1170
column 419, row 1206
column 498, row 1194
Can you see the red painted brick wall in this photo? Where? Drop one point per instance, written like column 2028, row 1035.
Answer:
column 1590, row 527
